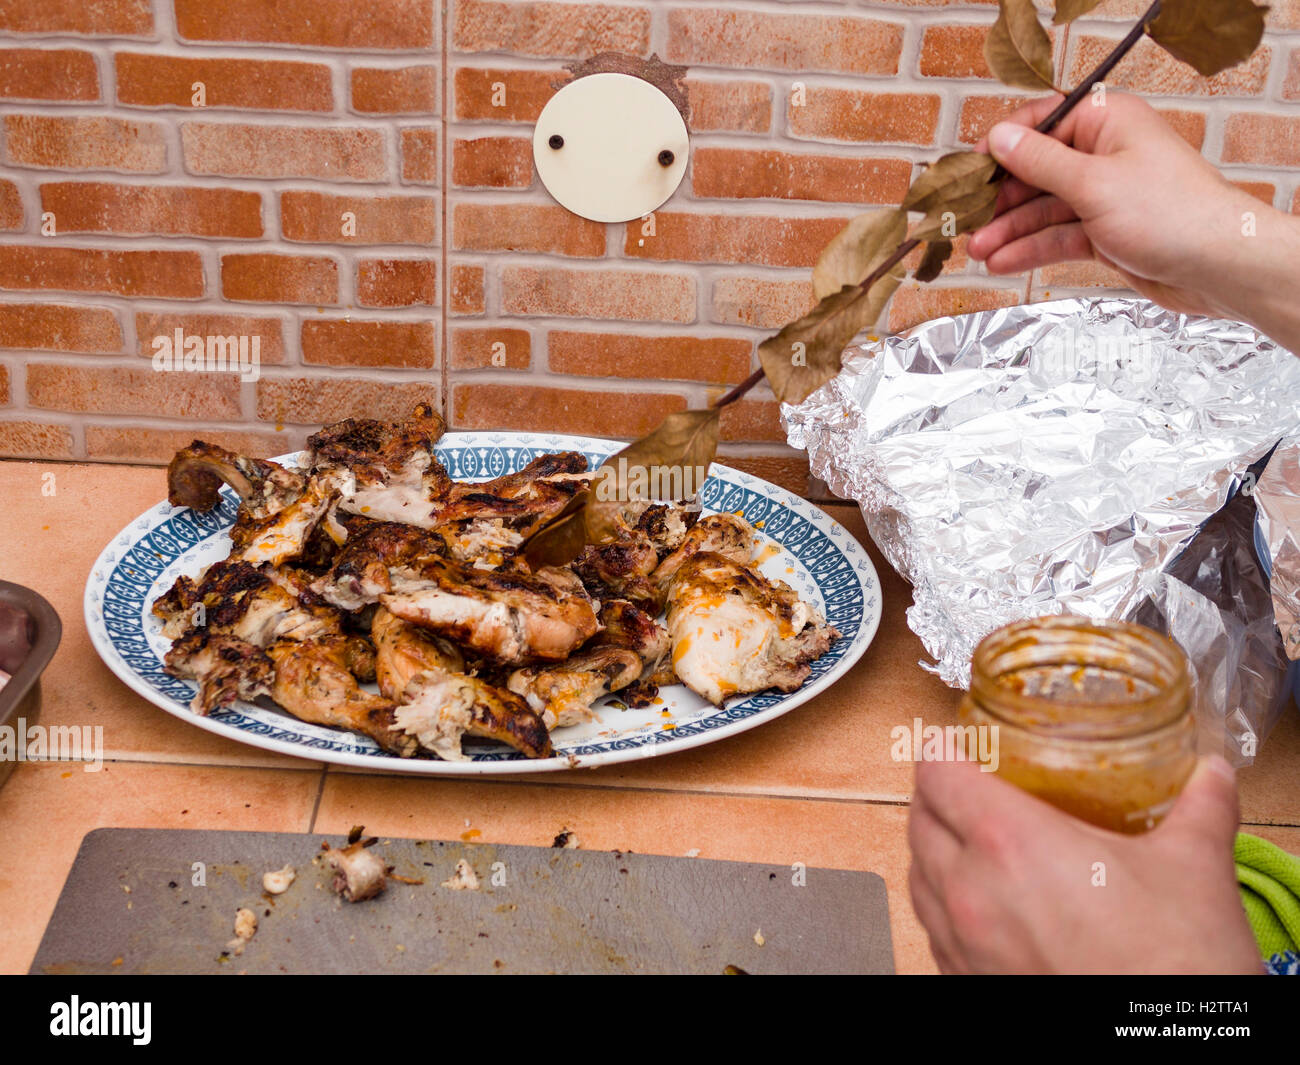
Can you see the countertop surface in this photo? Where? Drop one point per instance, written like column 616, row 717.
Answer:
column 817, row 786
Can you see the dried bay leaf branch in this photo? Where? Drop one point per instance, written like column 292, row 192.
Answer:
column 1018, row 49
column 857, row 249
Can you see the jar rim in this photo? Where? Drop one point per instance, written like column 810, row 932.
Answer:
column 1100, row 718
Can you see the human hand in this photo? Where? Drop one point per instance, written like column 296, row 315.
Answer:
column 1115, row 183
column 1005, row 883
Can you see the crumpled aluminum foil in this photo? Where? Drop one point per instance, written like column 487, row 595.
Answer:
column 1069, row 457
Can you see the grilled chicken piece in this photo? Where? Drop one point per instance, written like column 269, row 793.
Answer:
column 723, row 534
column 284, row 534
column 359, row 575
column 245, row 601
column 508, row 618
column 735, row 632
column 439, row 708
column 630, row 627
column 487, row 522
column 395, row 475
column 440, row 704
column 403, row 652
column 563, row 693
column 622, row 569
column 314, row 682
column 225, row 668
column 665, row 525
column 195, row 474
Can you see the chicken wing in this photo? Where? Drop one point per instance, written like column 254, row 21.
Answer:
column 195, row 474
column 734, row 631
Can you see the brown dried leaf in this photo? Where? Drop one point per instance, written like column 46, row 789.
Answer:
column 1069, row 10
column 955, row 175
column 808, row 353
column 562, row 539
column 951, row 218
column 1211, row 35
column 937, row 252
column 1017, row 49
column 857, row 249
column 685, row 440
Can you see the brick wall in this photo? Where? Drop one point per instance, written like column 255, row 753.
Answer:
column 228, row 218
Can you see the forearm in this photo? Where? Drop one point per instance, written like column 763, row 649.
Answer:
column 1259, row 280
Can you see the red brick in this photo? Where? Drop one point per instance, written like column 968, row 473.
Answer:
column 149, row 324
column 522, row 95
column 720, row 238
column 54, row 327
column 270, row 278
column 788, row 471
column 168, row 274
column 763, row 40
column 35, row 440
column 1295, row 202
column 979, row 114
column 405, row 91
column 11, row 206
column 350, row 343
column 104, row 390
column 321, row 400
column 1265, row 140
column 98, row 143
column 914, row 304
column 1079, row 275
column 1152, row 71
column 760, row 303
column 492, row 162
column 630, row 294
column 116, row 18
column 752, row 419
column 525, row 227
column 739, row 173
column 134, row 444
column 4, row 386
column 954, row 52
column 284, row 151
column 316, row 23
column 732, row 106
column 101, row 207
column 472, row 349
column 1291, row 87
column 151, row 80
column 559, row 410
column 397, row 282
column 316, row 216
column 467, row 295
column 1190, row 125
column 723, row 360
column 865, row 117
column 549, row 28
column 420, row 156
column 48, row 74
column 1264, row 191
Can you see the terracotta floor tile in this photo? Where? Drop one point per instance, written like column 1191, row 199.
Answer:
column 50, row 545
column 844, row 835
column 46, row 809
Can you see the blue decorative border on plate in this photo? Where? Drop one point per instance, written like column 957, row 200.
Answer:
column 133, row 576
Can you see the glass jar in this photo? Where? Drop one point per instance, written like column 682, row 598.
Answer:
column 1094, row 718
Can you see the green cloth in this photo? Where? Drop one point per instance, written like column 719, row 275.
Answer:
column 1270, row 891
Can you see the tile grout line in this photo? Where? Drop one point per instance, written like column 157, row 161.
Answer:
column 320, row 793
column 444, row 238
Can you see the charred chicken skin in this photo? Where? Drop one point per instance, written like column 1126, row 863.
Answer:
column 224, row 667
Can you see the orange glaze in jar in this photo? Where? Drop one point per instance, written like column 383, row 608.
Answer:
column 1094, row 718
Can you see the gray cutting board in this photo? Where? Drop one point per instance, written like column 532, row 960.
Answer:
column 571, row 911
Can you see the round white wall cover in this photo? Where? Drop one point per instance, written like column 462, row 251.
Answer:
column 610, row 147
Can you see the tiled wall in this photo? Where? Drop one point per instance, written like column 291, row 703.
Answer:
column 229, row 218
